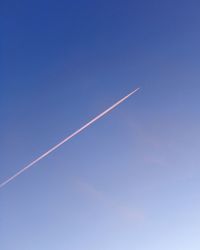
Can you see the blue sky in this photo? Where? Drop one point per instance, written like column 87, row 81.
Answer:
column 131, row 181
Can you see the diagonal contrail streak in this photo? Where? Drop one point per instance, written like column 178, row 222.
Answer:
column 66, row 139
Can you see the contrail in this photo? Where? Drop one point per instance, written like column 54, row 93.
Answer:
column 66, row 139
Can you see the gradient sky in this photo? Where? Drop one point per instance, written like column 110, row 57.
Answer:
column 129, row 182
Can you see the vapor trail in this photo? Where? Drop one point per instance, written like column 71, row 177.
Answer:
column 66, row 139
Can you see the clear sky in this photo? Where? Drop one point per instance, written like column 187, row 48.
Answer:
column 132, row 180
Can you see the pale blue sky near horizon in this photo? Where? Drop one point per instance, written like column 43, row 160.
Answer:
column 131, row 181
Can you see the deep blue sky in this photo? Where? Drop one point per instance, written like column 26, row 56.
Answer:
column 132, row 180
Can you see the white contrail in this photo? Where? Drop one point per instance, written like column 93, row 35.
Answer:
column 66, row 139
